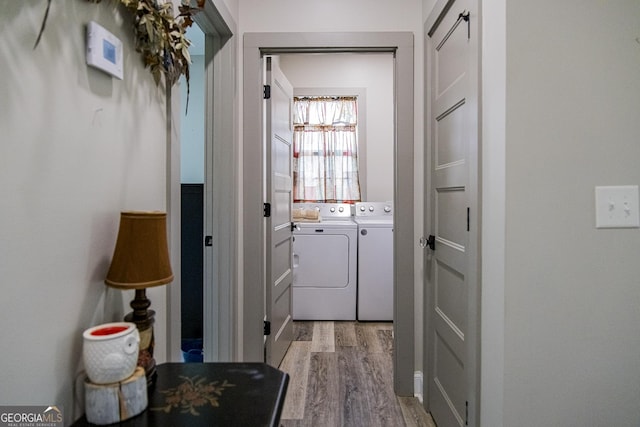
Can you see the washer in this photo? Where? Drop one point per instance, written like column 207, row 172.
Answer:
column 375, row 260
column 325, row 264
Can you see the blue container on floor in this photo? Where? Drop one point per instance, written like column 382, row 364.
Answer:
column 192, row 350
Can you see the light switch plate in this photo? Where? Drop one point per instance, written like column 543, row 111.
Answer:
column 617, row 207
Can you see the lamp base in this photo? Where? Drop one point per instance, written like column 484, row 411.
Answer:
column 144, row 319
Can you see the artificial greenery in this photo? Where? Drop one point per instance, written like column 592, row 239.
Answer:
column 159, row 36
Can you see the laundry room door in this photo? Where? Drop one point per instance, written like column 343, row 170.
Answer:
column 279, row 192
column 452, row 288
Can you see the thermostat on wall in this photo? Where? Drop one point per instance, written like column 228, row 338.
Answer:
column 104, row 50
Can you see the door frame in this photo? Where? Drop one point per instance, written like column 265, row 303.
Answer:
column 221, row 154
column 401, row 44
column 475, row 203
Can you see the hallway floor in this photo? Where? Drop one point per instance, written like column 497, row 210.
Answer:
column 341, row 374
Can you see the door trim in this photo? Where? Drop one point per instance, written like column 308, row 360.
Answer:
column 401, row 44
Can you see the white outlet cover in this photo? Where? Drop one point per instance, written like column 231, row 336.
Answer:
column 617, row 207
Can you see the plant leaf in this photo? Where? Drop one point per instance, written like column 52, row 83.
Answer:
column 44, row 24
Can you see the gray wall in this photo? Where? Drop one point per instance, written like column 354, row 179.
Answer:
column 572, row 293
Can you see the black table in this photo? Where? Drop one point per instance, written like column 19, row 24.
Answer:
column 212, row 394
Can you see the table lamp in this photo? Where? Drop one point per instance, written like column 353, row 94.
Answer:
column 140, row 261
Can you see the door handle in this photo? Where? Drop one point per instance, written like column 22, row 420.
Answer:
column 431, row 242
column 428, row 242
column 295, row 226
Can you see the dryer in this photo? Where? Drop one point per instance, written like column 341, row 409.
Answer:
column 324, row 262
column 375, row 260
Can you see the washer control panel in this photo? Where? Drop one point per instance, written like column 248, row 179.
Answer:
column 328, row 210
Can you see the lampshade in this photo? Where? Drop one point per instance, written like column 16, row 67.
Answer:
column 141, row 257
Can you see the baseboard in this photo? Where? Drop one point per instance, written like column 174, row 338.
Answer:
column 417, row 385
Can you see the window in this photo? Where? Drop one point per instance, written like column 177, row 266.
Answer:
column 325, row 150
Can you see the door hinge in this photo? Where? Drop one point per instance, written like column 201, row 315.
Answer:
column 208, row 240
column 267, row 327
column 266, row 210
column 266, row 94
column 468, row 216
column 466, row 413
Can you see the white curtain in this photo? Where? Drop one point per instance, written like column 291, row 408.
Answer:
column 325, row 147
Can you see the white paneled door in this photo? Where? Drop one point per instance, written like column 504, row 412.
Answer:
column 279, row 192
column 453, row 184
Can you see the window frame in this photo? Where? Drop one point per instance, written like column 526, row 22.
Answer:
column 361, row 129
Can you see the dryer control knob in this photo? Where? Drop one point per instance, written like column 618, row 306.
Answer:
column 341, row 209
column 362, row 209
column 387, row 209
column 370, row 208
column 332, row 209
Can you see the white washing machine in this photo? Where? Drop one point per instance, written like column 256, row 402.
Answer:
column 375, row 260
column 325, row 263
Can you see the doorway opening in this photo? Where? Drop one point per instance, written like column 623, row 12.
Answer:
column 217, row 154
column 336, row 124
column 192, row 183
column 400, row 46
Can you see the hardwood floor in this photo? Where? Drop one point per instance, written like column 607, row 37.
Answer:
column 341, row 375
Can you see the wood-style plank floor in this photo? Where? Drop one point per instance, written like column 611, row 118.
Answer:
column 341, row 374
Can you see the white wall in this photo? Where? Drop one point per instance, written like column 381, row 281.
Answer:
column 374, row 73
column 77, row 147
column 572, row 293
column 330, row 15
column 427, row 8
column 493, row 89
column 493, row 212
column 232, row 7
